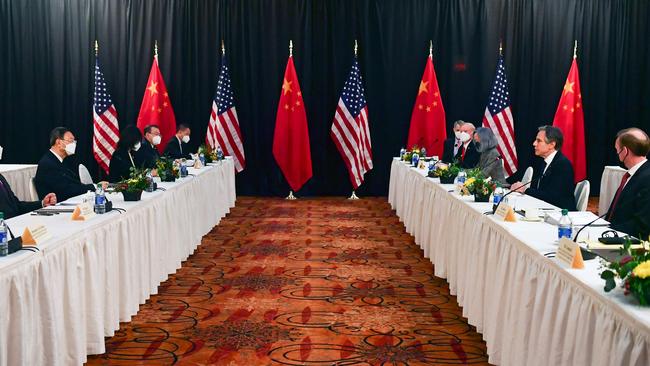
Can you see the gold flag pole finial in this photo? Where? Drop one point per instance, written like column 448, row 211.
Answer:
column 223, row 48
column 290, row 48
column 430, row 48
column 500, row 47
column 356, row 48
column 96, row 48
column 575, row 48
column 155, row 48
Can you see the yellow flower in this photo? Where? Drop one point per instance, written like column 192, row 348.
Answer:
column 469, row 181
column 642, row 270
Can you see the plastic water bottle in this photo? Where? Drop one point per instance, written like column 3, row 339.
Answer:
column 219, row 153
column 565, row 226
column 415, row 159
column 402, row 151
column 4, row 240
column 100, row 200
column 459, row 181
column 423, row 152
column 497, row 195
column 150, row 182
column 183, row 169
column 202, row 158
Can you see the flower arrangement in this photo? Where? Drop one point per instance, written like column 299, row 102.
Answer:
column 633, row 270
column 167, row 170
column 137, row 181
column 209, row 154
column 445, row 171
column 478, row 185
column 409, row 154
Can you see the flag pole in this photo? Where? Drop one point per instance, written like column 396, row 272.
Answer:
column 575, row 48
column 155, row 49
column 223, row 48
column 96, row 48
column 431, row 48
column 356, row 48
column 290, row 197
column 500, row 47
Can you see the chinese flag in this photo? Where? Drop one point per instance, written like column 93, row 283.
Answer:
column 428, row 117
column 570, row 119
column 156, row 108
column 291, row 137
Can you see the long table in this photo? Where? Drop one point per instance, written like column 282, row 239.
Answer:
column 530, row 309
column 18, row 176
column 58, row 304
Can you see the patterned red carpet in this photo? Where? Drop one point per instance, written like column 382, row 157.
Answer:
column 307, row 282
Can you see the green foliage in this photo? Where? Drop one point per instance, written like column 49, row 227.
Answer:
column 136, row 182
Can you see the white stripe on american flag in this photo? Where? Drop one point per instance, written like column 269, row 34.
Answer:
column 505, row 149
column 105, row 139
column 349, row 160
column 351, row 138
column 228, row 140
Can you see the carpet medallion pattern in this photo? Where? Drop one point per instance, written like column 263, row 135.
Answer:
column 308, row 282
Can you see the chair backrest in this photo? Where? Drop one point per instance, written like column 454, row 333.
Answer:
column 528, row 175
column 582, row 195
column 32, row 190
column 84, row 175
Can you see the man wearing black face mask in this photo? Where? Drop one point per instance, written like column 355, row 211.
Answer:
column 629, row 211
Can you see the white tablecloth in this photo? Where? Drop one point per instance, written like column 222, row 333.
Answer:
column 530, row 310
column 609, row 183
column 18, row 176
column 57, row 305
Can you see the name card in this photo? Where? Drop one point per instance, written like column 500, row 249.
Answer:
column 505, row 213
column 569, row 254
column 35, row 234
column 84, row 211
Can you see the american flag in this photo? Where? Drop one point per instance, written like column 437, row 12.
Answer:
column 223, row 129
column 350, row 130
column 498, row 117
column 106, row 129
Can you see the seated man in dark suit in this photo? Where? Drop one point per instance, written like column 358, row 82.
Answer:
column 148, row 154
column 52, row 175
column 467, row 154
column 177, row 147
column 552, row 180
column 11, row 206
column 629, row 211
column 451, row 145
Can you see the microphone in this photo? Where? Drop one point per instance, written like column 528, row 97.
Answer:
column 496, row 207
column 575, row 238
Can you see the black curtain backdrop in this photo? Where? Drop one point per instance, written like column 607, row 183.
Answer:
column 47, row 60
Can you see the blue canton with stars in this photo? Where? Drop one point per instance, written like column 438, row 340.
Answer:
column 102, row 99
column 353, row 93
column 499, row 97
column 224, row 95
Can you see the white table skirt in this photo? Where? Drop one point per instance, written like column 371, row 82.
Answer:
column 57, row 305
column 530, row 310
column 18, row 176
column 609, row 183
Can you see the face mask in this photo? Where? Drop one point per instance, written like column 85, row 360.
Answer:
column 186, row 139
column 464, row 137
column 156, row 140
column 136, row 147
column 457, row 134
column 621, row 163
column 70, row 148
column 0, row 152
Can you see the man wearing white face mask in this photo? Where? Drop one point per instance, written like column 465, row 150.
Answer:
column 467, row 156
column 52, row 175
column 177, row 148
column 452, row 143
column 11, row 206
column 147, row 155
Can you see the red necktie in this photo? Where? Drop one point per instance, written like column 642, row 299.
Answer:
column 612, row 208
column 462, row 154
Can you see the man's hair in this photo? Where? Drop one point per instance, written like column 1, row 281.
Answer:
column 629, row 138
column 470, row 125
column 553, row 134
column 182, row 127
column 57, row 134
column 129, row 136
column 148, row 128
column 458, row 123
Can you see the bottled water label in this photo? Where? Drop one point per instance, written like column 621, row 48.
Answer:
column 496, row 199
column 100, row 199
column 4, row 248
column 564, row 232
